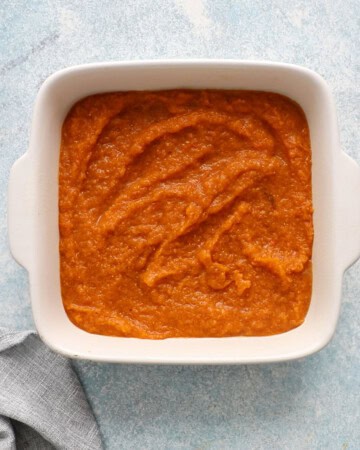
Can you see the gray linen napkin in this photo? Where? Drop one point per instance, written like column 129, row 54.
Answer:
column 42, row 404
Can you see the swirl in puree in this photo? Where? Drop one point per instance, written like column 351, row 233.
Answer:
column 185, row 213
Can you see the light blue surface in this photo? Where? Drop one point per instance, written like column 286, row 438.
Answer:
column 308, row 404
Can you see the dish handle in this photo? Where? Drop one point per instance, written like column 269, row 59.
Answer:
column 349, row 211
column 19, row 210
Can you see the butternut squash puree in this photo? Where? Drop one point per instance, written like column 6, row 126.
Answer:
column 185, row 213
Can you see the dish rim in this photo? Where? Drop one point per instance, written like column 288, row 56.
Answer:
column 347, row 171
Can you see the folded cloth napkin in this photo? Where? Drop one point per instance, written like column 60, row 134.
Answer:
column 42, row 404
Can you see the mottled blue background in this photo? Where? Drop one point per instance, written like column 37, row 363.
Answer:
column 308, row 404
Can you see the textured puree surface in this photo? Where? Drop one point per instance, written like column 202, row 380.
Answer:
column 185, row 213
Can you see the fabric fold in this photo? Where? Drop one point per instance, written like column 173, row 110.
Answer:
column 42, row 403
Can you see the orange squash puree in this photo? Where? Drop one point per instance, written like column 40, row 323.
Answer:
column 186, row 213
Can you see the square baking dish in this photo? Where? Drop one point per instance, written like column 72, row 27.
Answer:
column 33, row 209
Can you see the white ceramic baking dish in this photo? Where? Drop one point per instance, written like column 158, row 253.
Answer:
column 33, row 209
